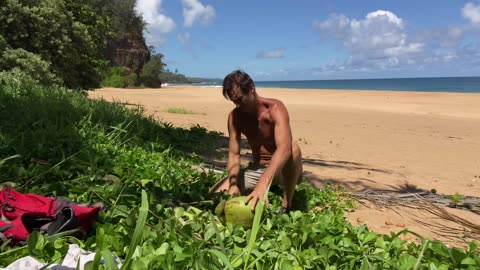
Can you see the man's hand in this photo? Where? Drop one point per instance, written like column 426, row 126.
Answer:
column 256, row 196
column 233, row 190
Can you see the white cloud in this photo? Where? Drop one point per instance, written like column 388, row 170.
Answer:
column 271, row 75
column 403, row 49
column 158, row 23
column 262, row 74
column 277, row 53
column 472, row 12
column 184, row 37
column 444, row 37
column 194, row 10
column 151, row 11
column 375, row 42
column 384, row 15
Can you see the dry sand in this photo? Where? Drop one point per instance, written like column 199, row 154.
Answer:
column 382, row 140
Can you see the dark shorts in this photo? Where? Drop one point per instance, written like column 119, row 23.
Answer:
column 248, row 178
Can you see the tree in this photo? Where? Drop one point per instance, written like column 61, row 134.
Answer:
column 121, row 15
column 150, row 74
column 66, row 35
column 19, row 60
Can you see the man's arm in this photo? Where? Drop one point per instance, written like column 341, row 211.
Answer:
column 233, row 155
column 283, row 141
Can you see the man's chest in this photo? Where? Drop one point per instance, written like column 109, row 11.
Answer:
column 259, row 130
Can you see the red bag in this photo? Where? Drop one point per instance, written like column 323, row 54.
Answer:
column 23, row 213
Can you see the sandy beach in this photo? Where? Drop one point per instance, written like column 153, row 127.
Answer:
column 364, row 140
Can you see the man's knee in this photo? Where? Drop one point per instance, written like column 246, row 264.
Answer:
column 296, row 152
column 297, row 162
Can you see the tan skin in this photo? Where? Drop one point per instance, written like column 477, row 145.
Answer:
column 265, row 124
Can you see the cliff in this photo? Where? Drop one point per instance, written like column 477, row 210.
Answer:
column 129, row 50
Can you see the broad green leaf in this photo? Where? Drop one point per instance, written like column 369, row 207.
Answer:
column 237, row 263
column 369, row 236
column 108, row 258
column 222, row 258
column 380, row 243
column 440, row 249
column 36, row 243
column 456, row 255
column 144, row 182
column 407, row 261
column 209, row 233
column 468, row 261
column 285, row 243
column 162, row 250
column 472, row 247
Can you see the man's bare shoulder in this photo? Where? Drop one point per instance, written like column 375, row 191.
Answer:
column 235, row 116
column 276, row 107
column 274, row 101
column 234, row 113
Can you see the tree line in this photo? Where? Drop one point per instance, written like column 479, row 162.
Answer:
column 65, row 42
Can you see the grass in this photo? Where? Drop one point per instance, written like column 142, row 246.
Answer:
column 181, row 111
column 146, row 220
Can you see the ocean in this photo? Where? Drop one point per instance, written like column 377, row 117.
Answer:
column 439, row 84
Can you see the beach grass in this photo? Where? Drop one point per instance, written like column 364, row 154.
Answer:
column 175, row 110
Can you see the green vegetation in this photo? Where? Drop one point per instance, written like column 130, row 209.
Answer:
column 114, row 77
column 456, row 200
column 180, row 111
column 74, row 44
column 175, row 78
column 168, row 76
column 69, row 43
column 62, row 39
column 156, row 214
column 151, row 71
column 121, row 15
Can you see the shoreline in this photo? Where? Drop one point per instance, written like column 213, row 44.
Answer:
column 331, row 89
column 420, row 84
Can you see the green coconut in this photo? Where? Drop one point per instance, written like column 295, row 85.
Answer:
column 220, row 211
column 237, row 213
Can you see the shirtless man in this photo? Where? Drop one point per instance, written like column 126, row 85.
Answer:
column 265, row 124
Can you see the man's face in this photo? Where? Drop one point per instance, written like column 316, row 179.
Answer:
column 244, row 102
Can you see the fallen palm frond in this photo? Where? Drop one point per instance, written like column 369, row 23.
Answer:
column 444, row 214
column 458, row 229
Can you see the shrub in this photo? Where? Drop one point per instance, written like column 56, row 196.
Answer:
column 20, row 60
column 3, row 44
column 132, row 80
column 114, row 77
column 114, row 81
column 151, row 71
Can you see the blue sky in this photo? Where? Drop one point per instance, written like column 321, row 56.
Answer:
column 315, row 40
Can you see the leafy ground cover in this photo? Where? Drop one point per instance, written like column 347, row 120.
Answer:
column 157, row 213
